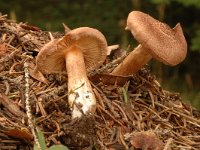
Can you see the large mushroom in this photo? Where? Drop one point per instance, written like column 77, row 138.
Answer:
column 79, row 50
column 156, row 39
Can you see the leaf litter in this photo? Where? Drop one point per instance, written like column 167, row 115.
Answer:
column 135, row 113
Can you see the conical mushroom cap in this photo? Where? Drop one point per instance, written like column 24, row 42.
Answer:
column 92, row 43
column 165, row 44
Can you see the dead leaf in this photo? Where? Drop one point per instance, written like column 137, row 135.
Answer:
column 36, row 74
column 30, row 27
column 146, row 140
column 109, row 79
column 11, row 106
column 67, row 29
column 22, row 133
column 112, row 48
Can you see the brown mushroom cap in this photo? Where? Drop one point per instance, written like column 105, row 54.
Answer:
column 163, row 43
column 51, row 58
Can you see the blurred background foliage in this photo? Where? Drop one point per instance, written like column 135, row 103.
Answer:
column 109, row 16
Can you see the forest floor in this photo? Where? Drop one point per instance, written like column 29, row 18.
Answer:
column 137, row 113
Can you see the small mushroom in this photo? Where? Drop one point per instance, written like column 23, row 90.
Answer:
column 156, row 39
column 80, row 49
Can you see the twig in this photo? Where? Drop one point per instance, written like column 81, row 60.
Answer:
column 168, row 144
column 51, row 36
column 106, row 112
column 107, row 66
column 179, row 113
column 28, row 107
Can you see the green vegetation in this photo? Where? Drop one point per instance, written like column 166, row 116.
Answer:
column 42, row 144
column 110, row 18
column 124, row 91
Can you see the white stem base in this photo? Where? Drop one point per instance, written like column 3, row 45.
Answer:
column 81, row 97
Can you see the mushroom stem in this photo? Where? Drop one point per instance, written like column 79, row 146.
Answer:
column 81, row 97
column 137, row 58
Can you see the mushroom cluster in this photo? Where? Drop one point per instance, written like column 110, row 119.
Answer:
column 86, row 48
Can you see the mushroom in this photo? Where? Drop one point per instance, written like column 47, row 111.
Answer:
column 156, row 39
column 80, row 49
